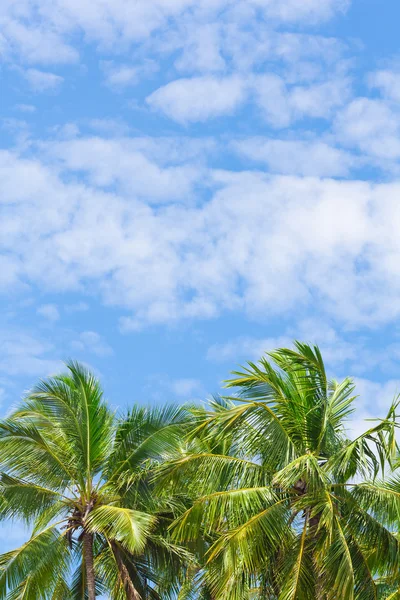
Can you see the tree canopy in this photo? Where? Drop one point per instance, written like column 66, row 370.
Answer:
column 261, row 494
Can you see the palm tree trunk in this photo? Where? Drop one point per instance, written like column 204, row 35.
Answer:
column 89, row 565
column 130, row 590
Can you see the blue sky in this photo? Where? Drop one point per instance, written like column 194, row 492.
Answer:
column 186, row 184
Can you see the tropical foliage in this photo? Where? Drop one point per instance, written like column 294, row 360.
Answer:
column 261, row 495
column 82, row 479
column 282, row 508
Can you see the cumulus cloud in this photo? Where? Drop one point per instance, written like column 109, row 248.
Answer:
column 26, row 355
column 91, row 342
column 30, row 355
column 320, row 99
column 242, row 43
column 376, row 395
column 370, row 125
column 187, row 388
column 387, row 81
column 127, row 165
column 202, row 48
column 43, row 31
column 335, row 348
column 298, row 157
column 203, row 38
column 31, row 40
column 162, row 388
column 263, row 244
column 147, row 225
column 292, row 10
column 199, row 98
column 373, row 402
column 246, row 348
column 118, row 76
column 42, row 81
column 282, row 105
column 49, row 312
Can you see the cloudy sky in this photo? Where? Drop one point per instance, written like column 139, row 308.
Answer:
column 185, row 184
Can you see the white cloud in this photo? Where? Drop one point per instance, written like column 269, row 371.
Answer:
column 372, row 126
column 292, row 10
column 49, row 312
column 25, row 354
column 201, row 48
column 29, row 355
column 246, row 348
column 162, row 388
column 295, row 48
column 335, row 349
column 91, row 342
column 238, row 43
column 272, row 98
column 373, row 402
column 320, row 99
column 31, row 41
column 43, row 32
column 119, row 75
column 206, row 37
column 109, row 127
column 42, row 81
column 26, row 108
column 264, row 245
column 126, row 164
column 187, row 388
column 202, row 98
column 388, row 82
column 281, row 104
column 199, row 98
column 298, row 157
column 376, row 396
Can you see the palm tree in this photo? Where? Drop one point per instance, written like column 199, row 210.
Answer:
column 194, row 585
column 382, row 499
column 281, row 505
column 82, row 479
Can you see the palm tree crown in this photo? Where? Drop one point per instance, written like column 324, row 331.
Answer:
column 81, row 477
column 280, row 507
